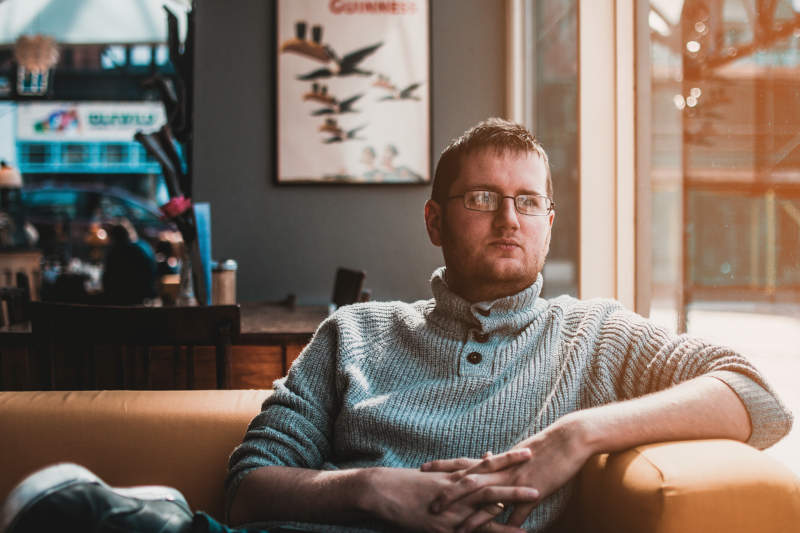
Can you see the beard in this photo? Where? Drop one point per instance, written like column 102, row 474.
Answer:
column 475, row 277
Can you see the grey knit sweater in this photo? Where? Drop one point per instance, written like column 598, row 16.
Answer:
column 397, row 384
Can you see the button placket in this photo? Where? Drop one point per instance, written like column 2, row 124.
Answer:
column 477, row 354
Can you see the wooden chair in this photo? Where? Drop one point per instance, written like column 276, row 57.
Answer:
column 79, row 330
column 27, row 262
column 348, row 286
column 15, row 301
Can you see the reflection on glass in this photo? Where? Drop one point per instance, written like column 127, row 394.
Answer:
column 555, row 119
column 725, row 154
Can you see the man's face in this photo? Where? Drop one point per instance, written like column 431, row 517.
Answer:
column 489, row 255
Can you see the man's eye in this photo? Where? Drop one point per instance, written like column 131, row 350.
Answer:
column 481, row 199
column 531, row 202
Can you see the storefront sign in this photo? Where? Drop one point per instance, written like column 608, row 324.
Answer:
column 60, row 121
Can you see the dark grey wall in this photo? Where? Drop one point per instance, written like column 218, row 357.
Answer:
column 291, row 239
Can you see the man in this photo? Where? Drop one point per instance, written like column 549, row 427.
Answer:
column 390, row 417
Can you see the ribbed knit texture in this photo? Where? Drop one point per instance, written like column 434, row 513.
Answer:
column 393, row 384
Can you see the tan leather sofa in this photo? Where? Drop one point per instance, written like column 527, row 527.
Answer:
column 183, row 438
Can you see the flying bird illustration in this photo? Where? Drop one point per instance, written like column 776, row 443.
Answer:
column 384, row 82
column 300, row 44
column 337, row 133
column 345, row 66
column 319, row 93
column 345, row 106
column 405, row 94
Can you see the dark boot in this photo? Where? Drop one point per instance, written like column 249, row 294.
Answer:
column 68, row 497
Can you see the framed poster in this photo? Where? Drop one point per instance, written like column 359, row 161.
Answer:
column 353, row 91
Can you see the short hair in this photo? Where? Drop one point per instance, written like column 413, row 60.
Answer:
column 497, row 133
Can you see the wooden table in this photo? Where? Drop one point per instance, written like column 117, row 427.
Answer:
column 274, row 324
column 264, row 323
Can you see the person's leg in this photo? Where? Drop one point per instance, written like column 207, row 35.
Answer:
column 68, row 497
column 206, row 524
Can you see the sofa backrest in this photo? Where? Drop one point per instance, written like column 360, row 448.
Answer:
column 177, row 438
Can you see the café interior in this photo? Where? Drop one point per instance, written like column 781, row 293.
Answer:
column 176, row 220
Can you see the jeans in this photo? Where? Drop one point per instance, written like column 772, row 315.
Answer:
column 203, row 523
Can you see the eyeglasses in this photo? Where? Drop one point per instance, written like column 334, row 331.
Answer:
column 487, row 201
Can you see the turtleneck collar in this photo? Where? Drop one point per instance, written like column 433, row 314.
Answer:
column 504, row 315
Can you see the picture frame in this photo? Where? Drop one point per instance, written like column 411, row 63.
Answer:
column 353, row 92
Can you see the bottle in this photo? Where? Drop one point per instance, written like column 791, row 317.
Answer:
column 223, row 282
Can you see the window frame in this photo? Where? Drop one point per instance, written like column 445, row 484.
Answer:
column 613, row 89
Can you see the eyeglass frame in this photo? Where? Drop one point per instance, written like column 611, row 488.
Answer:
column 550, row 209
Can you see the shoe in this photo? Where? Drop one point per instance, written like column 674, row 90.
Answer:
column 68, row 497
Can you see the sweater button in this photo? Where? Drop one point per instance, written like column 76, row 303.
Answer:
column 484, row 312
column 474, row 358
column 480, row 337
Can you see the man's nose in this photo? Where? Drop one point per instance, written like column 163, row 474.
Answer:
column 506, row 215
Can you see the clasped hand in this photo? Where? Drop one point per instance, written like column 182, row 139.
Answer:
column 411, row 498
column 540, row 465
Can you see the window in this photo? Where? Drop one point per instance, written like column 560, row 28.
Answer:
column 141, row 55
column 550, row 110
column 721, row 125
column 115, row 153
column 113, row 57
column 75, row 154
column 35, row 153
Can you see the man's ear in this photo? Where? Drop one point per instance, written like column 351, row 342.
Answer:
column 433, row 222
column 550, row 218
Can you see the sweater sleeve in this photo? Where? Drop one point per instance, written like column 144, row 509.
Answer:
column 636, row 357
column 294, row 427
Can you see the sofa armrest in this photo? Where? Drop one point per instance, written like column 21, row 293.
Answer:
column 688, row 487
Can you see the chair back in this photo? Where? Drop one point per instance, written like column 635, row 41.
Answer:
column 14, row 302
column 131, row 331
column 347, row 286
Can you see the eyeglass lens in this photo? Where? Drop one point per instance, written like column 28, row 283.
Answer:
column 529, row 204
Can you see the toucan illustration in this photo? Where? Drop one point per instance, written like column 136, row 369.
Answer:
column 345, row 106
column 337, row 133
column 319, row 93
column 405, row 94
column 345, row 66
column 384, row 82
column 312, row 49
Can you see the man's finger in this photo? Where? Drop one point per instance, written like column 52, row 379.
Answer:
column 481, row 517
column 490, row 495
column 482, row 521
column 449, row 465
column 474, row 495
column 493, row 463
column 463, row 486
column 520, row 514
column 496, row 527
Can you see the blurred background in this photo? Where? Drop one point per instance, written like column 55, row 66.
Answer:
column 717, row 116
